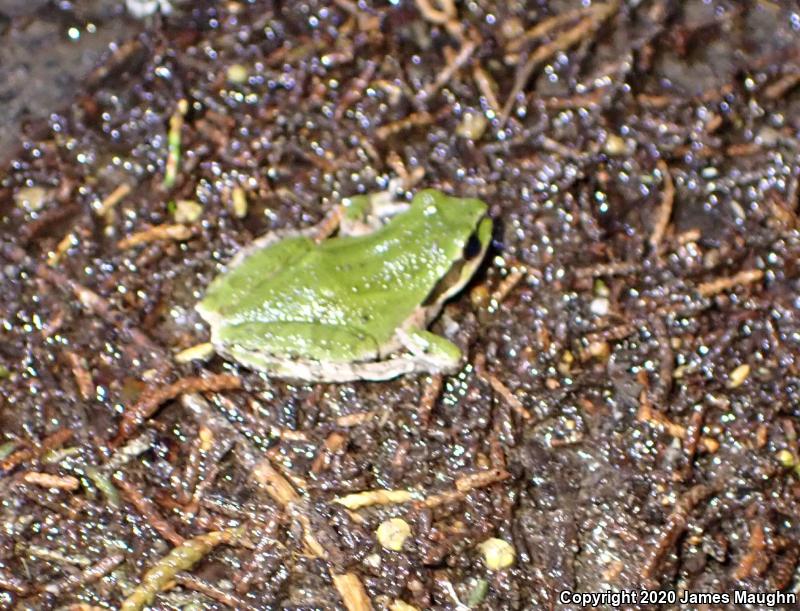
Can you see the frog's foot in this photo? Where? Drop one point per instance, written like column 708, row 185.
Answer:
column 435, row 352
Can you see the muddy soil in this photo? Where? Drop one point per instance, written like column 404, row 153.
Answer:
column 626, row 415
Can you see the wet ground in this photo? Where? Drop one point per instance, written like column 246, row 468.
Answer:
column 626, row 416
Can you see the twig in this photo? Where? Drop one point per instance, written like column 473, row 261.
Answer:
column 156, row 233
column 174, row 143
column 83, row 378
column 544, row 27
column 676, row 523
column 229, row 599
column 439, row 17
column 467, row 49
column 713, row 287
column 369, row 498
column 429, row 397
column 152, row 399
column 47, row 480
column 647, row 414
column 181, row 558
column 664, row 212
column 415, row 119
column 112, row 199
column 486, row 87
column 510, row 398
column 88, row 575
column 282, row 492
column 481, row 479
column 779, row 88
column 51, row 442
column 507, row 285
column 756, row 547
column 149, row 512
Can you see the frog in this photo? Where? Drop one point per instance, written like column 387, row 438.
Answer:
column 355, row 305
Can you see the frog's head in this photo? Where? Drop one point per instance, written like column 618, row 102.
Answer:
column 461, row 229
column 461, row 217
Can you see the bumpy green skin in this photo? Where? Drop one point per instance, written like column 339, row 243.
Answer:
column 342, row 300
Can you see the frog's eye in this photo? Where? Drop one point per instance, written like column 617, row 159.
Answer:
column 472, row 248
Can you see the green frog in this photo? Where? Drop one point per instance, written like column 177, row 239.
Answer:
column 355, row 306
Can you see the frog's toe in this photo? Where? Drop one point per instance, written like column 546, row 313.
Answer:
column 436, row 352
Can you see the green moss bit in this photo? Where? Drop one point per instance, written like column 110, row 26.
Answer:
column 181, row 558
column 478, row 593
column 174, row 144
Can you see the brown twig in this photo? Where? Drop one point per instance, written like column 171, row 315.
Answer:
column 149, row 512
column 481, row 479
column 647, row 414
column 83, row 378
column 51, row 442
column 429, row 397
column 415, row 119
column 713, row 287
column 48, row 480
column 152, row 400
column 464, row 54
column 510, row 398
column 229, row 599
column 756, row 546
column 89, row 575
column 664, row 212
column 156, row 233
column 112, row 199
column 675, row 525
column 546, row 26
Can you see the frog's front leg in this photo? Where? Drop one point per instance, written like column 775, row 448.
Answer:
column 436, row 352
column 363, row 214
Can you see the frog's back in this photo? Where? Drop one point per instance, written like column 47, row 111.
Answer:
column 370, row 283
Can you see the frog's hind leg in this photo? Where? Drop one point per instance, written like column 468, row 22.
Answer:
column 432, row 351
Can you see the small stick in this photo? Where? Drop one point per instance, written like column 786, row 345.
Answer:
column 369, row 498
column 465, row 53
column 507, row 285
column 152, row 400
column 88, row 575
column 676, row 524
column 47, row 480
column 112, row 199
column 148, row 511
column 56, row 440
column 213, row 592
column 647, row 414
column 174, row 143
column 481, row 479
column 778, row 88
column 485, row 86
column 664, row 212
column 544, row 27
column 713, row 287
column 83, row 378
column 155, row 233
column 415, row 119
column 508, row 396
column 181, row 558
column 429, row 398
column 755, row 552
column 439, row 17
